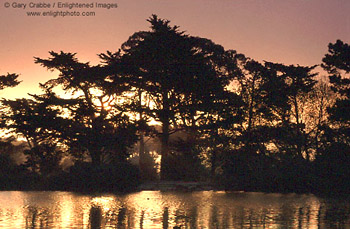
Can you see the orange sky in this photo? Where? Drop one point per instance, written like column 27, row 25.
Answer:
column 286, row 31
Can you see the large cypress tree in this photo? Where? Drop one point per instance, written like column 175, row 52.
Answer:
column 182, row 75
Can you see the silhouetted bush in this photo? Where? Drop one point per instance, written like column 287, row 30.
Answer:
column 254, row 172
column 20, row 179
column 87, row 177
column 14, row 177
column 332, row 166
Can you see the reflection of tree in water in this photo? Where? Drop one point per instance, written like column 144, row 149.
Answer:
column 214, row 219
column 115, row 217
column 287, row 214
column 95, row 217
column 166, row 218
column 335, row 215
column 122, row 218
column 38, row 218
column 142, row 218
column 183, row 218
column 193, row 216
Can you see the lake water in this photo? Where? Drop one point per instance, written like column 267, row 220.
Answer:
column 155, row 209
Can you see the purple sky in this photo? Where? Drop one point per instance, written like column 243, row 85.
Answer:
column 285, row 31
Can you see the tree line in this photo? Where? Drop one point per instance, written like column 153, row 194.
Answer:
column 244, row 124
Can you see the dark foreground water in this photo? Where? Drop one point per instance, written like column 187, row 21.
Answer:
column 154, row 209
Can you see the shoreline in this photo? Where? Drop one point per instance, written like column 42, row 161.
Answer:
column 176, row 186
column 181, row 187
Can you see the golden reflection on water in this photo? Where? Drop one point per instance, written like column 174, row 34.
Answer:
column 155, row 209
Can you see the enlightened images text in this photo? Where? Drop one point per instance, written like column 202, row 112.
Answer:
column 87, row 5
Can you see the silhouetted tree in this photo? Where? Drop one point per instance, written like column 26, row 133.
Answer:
column 93, row 123
column 181, row 74
column 249, row 80
column 313, row 107
column 337, row 64
column 134, row 102
column 295, row 82
column 39, row 125
column 333, row 157
column 273, row 134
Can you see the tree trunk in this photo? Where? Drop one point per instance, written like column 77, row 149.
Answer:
column 165, row 120
column 95, row 158
column 164, row 163
column 142, row 156
column 299, row 132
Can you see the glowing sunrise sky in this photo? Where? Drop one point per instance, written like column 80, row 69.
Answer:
column 286, row 31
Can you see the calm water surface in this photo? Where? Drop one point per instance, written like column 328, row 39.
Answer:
column 155, row 209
